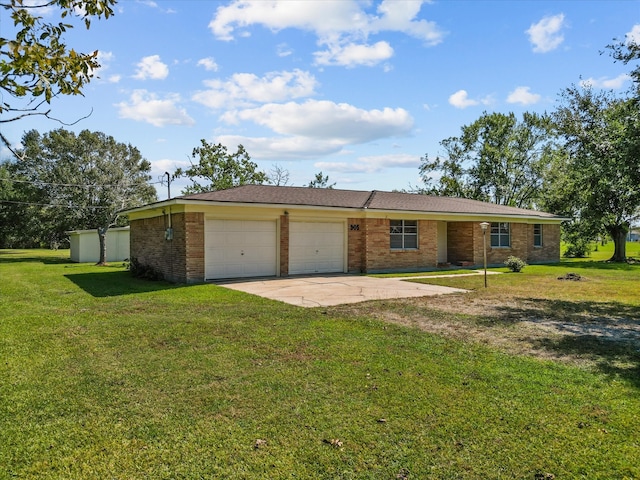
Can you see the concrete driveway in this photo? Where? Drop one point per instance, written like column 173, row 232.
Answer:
column 327, row 290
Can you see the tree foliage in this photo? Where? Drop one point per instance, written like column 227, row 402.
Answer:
column 218, row 169
column 597, row 180
column 65, row 182
column 627, row 51
column 321, row 181
column 37, row 65
column 496, row 158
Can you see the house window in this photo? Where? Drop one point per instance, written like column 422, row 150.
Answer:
column 500, row 234
column 537, row 235
column 403, row 234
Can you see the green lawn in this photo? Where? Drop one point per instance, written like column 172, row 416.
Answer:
column 104, row 376
column 604, row 252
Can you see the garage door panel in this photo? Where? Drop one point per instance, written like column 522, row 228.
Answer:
column 316, row 247
column 240, row 248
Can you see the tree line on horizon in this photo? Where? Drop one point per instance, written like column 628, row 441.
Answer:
column 581, row 161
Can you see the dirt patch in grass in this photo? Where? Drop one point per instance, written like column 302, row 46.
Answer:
column 579, row 332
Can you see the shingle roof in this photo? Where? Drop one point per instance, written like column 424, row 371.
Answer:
column 374, row 200
column 320, row 197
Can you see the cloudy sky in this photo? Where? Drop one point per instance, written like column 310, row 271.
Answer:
column 359, row 90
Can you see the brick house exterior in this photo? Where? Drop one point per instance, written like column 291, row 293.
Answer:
column 179, row 237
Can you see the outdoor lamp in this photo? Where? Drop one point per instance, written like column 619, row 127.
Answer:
column 484, row 226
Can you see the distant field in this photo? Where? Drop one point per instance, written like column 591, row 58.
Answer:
column 604, row 252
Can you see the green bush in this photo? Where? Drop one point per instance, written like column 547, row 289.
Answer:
column 515, row 264
column 147, row 272
column 578, row 249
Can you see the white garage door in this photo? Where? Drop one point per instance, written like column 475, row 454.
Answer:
column 316, row 247
column 239, row 248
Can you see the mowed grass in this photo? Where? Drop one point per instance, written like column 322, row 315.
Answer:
column 602, row 282
column 604, row 252
column 104, row 376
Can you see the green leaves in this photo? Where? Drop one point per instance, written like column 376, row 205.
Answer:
column 38, row 63
column 496, row 158
column 79, row 182
column 218, row 169
column 600, row 173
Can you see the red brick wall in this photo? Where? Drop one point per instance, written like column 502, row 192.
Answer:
column 460, row 242
column 518, row 248
column 284, row 245
column 194, row 246
column 355, row 245
column 179, row 260
column 380, row 257
column 368, row 250
column 521, row 245
column 550, row 250
column 465, row 244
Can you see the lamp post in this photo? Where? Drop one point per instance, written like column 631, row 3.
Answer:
column 484, row 226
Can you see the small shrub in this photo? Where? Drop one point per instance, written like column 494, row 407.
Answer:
column 579, row 249
column 146, row 272
column 515, row 264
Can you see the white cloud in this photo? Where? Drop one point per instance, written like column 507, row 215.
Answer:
column 372, row 164
column 283, row 50
column 609, row 83
column 247, row 89
column 151, row 67
column 546, row 34
column 352, row 55
column 318, row 128
column 144, row 106
column 634, row 35
column 341, row 26
column 399, row 16
column 315, row 15
column 104, row 59
column 461, row 99
column 327, row 120
column 158, row 167
column 114, row 78
column 279, row 148
column 523, row 96
column 209, row 64
column 152, row 4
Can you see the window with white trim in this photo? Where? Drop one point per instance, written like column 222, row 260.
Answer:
column 537, row 235
column 403, row 234
column 500, row 234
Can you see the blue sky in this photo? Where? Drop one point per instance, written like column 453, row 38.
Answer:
column 359, row 90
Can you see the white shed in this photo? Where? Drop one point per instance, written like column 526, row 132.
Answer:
column 85, row 245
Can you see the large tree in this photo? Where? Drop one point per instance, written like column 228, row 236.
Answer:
column 219, row 169
column 36, row 65
column 497, row 158
column 597, row 179
column 81, row 181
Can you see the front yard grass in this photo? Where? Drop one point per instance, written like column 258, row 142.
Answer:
column 105, row 376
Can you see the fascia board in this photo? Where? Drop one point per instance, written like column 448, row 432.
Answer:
column 363, row 211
